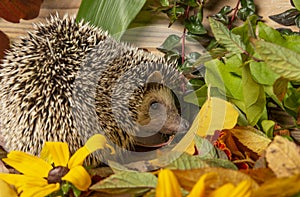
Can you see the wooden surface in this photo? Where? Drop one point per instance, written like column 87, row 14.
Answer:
column 148, row 35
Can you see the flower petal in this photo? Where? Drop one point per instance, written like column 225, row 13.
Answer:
column 31, row 189
column 94, row 143
column 6, row 190
column 56, row 152
column 28, row 164
column 199, row 188
column 242, row 190
column 167, row 184
column 30, row 185
column 79, row 177
column 78, row 157
column 224, row 190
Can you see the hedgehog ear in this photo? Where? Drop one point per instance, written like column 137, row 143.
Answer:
column 155, row 77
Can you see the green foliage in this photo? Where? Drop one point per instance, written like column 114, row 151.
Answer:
column 290, row 16
column 113, row 16
column 130, row 182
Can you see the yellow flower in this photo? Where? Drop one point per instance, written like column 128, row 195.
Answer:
column 167, row 184
column 199, row 188
column 6, row 190
column 43, row 176
column 243, row 189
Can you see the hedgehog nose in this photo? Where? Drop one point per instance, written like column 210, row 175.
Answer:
column 184, row 126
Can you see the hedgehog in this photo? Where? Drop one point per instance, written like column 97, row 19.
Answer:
column 68, row 80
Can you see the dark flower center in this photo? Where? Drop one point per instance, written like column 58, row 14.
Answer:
column 55, row 175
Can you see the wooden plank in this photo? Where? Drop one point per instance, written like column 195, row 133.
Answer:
column 147, row 35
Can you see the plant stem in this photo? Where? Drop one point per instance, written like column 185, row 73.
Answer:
column 234, row 14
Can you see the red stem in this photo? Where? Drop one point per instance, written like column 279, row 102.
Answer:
column 236, row 8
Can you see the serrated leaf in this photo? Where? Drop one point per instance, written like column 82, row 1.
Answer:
column 252, row 140
column 222, row 163
column 205, row 148
column 229, row 40
column 254, row 97
column 283, row 157
column 187, row 162
column 281, row 60
column 272, row 35
column 129, row 182
column 113, row 16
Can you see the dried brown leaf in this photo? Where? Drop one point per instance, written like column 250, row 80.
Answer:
column 188, row 178
column 279, row 187
column 283, row 157
column 15, row 10
column 251, row 139
column 4, row 44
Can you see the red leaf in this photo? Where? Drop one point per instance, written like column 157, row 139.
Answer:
column 4, row 43
column 14, row 10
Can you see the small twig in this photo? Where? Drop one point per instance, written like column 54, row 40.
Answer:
column 183, row 36
column 236, row 8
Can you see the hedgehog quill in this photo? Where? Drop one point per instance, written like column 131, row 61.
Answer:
column 66, row 81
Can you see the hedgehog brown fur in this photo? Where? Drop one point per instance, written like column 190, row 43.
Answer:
column 66, row 81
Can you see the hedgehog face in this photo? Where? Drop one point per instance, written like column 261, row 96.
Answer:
column 158, row 116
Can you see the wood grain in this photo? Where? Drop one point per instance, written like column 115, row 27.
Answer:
column 147, row 35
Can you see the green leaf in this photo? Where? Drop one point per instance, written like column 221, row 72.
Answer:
column 164, row 2
column 170, row 43
column 272, row 35
column 199, row 99
column 229, row 40
column 205, row 148
column 281, row 60
column 268, row 127
column 129, row 182
column 223, row 163
column 254, row 97
column 113, row 16
column 187, row 162
column 248, row 8
column 246, row 31
column 262, row 74
column 286, row 18
column 225, row 77
column 292, row 101
column 194, row 24
column 297, row 4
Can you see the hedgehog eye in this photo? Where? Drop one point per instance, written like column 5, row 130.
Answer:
column 154, row 105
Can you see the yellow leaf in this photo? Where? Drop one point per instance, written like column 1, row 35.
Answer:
column 252, row 140
column 215, row 114
column 283, row 157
